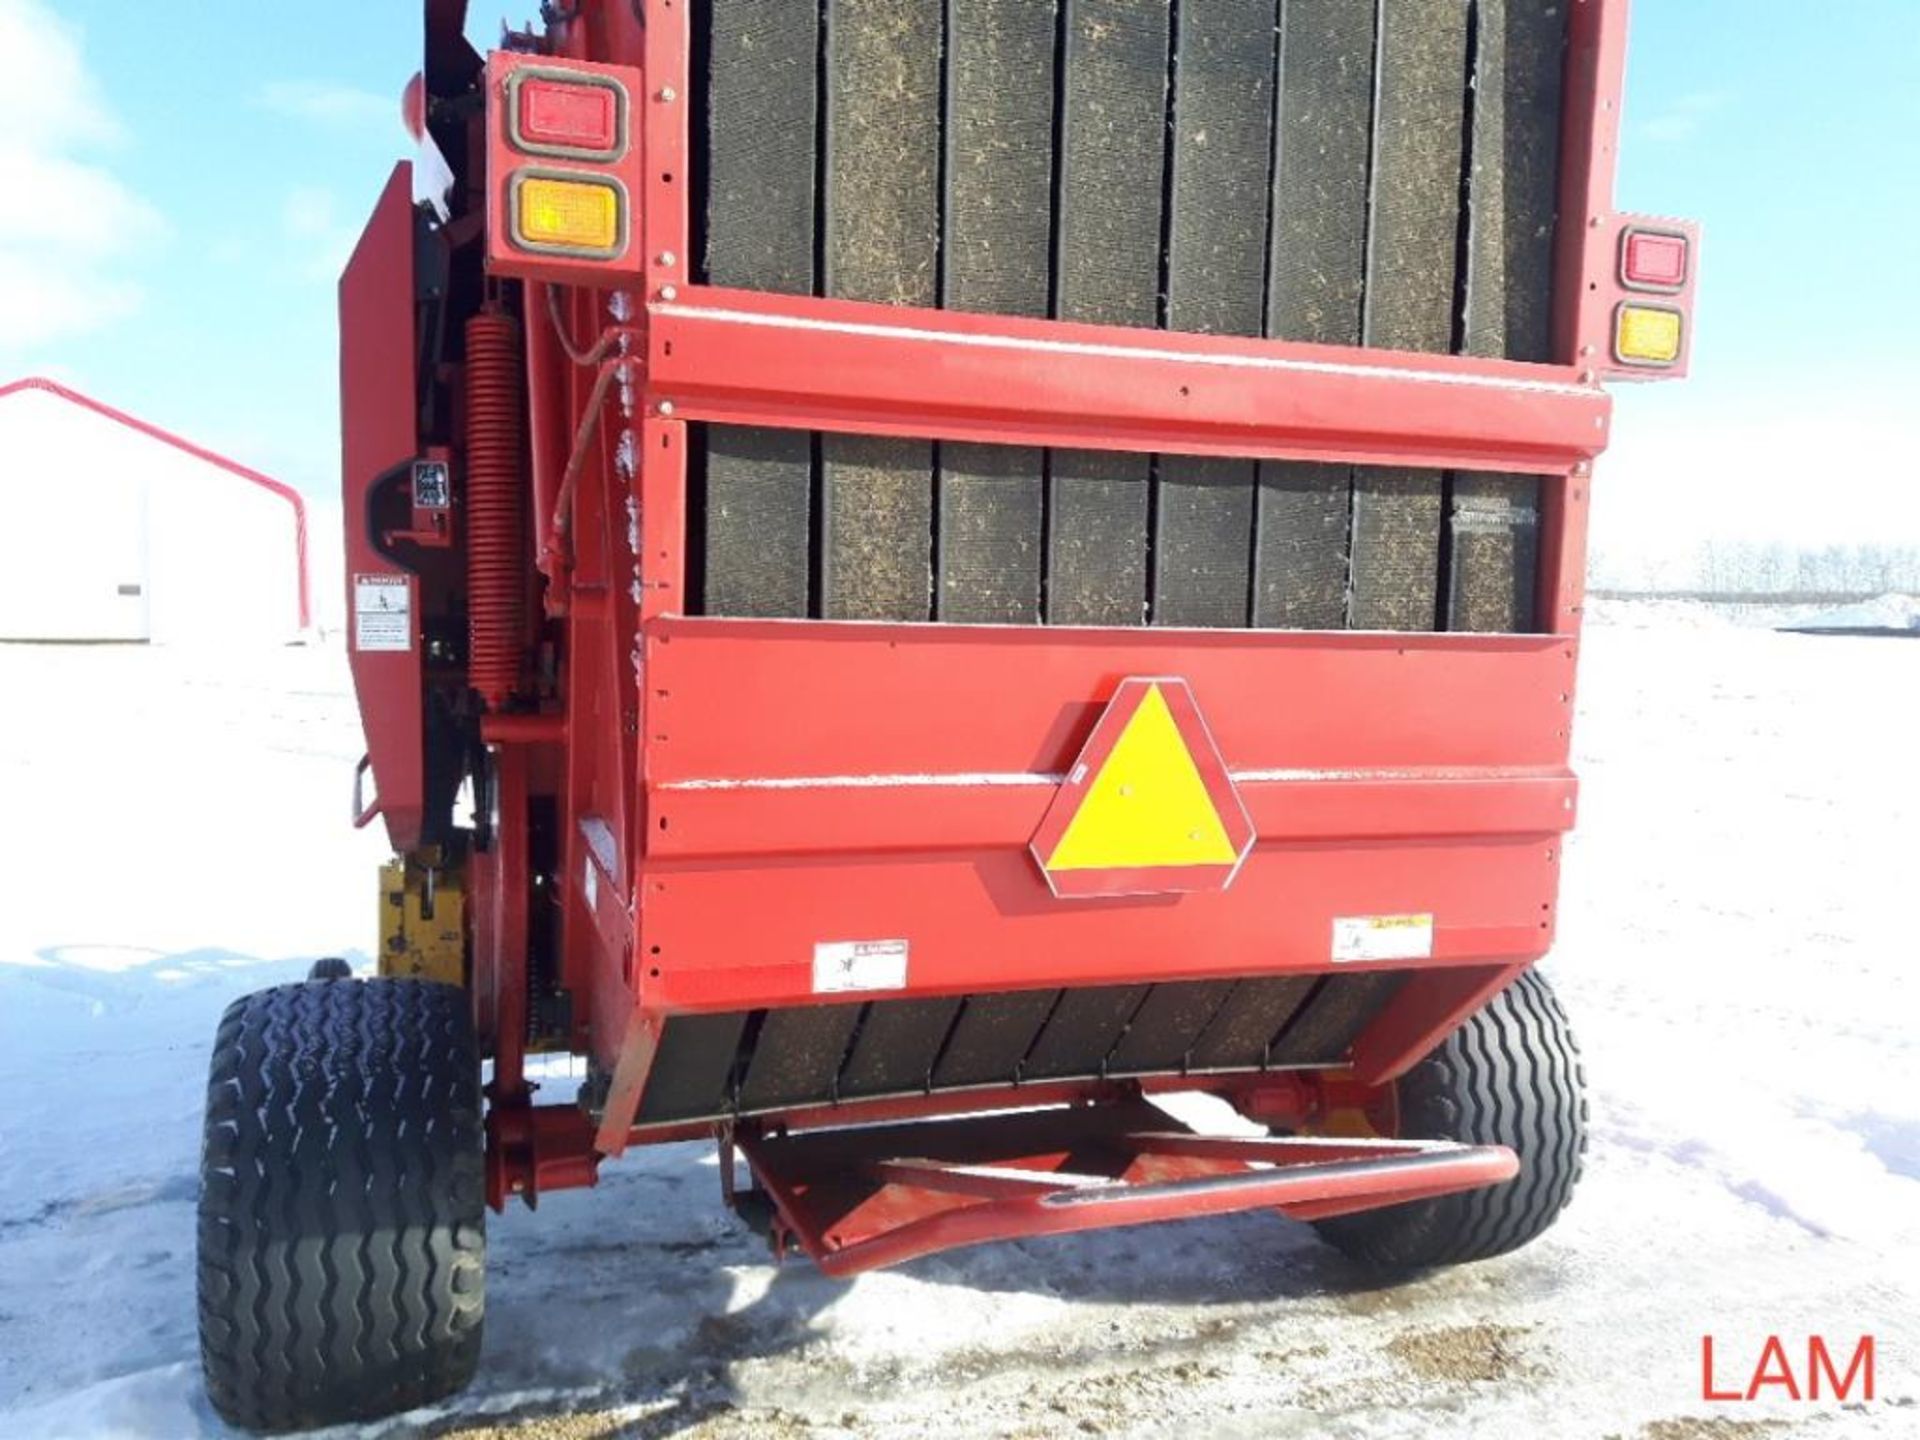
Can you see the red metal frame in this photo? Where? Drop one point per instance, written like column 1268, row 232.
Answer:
column 1589, row 282
column 859, row 1199
column 734, row 792
column 736, row 357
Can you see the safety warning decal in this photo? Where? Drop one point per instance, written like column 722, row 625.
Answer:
column 432, row 489
column 1383, row 937
column 382, row 612
column 843, row 965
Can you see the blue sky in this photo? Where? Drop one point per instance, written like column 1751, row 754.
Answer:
column 179, row 185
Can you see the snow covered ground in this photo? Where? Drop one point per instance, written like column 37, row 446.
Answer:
column 1742, row 919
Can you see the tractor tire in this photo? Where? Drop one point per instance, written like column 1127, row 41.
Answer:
column 331, row 967
column 1510, row 1075
column 342, row 1245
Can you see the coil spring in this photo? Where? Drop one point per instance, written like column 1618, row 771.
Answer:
column 496, row 545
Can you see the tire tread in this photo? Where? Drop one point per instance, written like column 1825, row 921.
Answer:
column 337, row 1111
column 1511, row 1075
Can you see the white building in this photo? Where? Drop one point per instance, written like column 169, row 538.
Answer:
column 113, row 529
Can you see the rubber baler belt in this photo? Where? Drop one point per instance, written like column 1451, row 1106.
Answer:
column 763, row 1061
column 1317, row 285
column 1293, row 168
column 1512, row 179
column 760, row 105
column 998, row 213
column 1112, row 156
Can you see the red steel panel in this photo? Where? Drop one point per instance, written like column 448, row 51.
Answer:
column 1585, row 278
column 809, row 783
column 741, row 934
column 735, row 700
column 667, row 41
column 380, row 430
column 781, row 819
column 742, row 357
column 1425, row 1010
column 1590, row 149
column 1565, row 503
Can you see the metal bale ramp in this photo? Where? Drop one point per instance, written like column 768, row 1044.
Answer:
column 864, row 1198
column 1310, row 170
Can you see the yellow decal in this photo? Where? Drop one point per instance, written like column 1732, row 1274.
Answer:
column 1148, row 806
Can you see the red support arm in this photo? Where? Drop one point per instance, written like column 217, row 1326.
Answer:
column 741, row 357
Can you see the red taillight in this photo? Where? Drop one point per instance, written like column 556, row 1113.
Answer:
column 1653, row 260
column 580, row 117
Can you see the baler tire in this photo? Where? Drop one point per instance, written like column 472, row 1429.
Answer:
column 1511, row 1075
column 330, row 967
column 342, row 1239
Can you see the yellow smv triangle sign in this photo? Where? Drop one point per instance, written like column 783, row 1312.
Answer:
column 1148, row 807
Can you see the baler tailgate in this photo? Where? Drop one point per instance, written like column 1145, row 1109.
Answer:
column 861, row 1199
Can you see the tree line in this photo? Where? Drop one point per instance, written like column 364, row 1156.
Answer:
column 1762, row 570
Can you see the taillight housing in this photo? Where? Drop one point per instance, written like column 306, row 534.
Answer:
column 1639, row 302
column 563, row 168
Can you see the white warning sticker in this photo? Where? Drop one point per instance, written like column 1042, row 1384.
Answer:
column 840, row 965
column 1383, row 937
column 382, row 612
